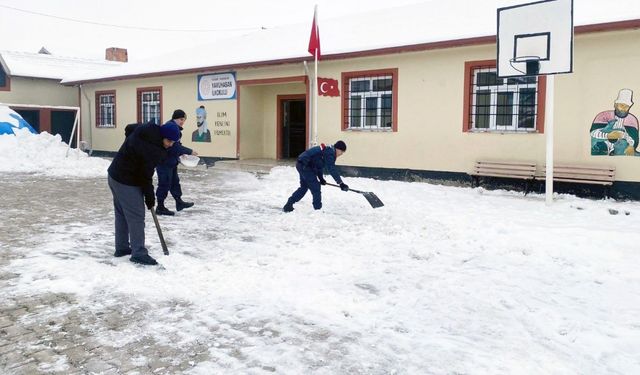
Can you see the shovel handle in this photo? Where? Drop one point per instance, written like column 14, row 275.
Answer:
column 165, row 250
column 350, row 189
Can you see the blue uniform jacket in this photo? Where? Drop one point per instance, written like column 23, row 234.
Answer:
column 319, row 157
column 174, row 152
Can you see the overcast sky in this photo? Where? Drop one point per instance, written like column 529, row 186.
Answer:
column 22, row 31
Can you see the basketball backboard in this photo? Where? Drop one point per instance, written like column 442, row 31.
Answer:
column 535, row 38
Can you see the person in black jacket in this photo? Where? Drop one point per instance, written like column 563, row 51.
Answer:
column 310, row 166
column 131, row 183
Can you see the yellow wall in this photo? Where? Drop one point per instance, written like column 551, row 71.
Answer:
column 44, row 92
column 251, row 123
column 430, row 109
column 177, row 92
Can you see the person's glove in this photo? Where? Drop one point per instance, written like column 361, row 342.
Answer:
column 344, row 187
column 322, row 181
column 150, row 200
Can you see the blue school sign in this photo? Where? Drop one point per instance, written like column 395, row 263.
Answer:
column 219, row 86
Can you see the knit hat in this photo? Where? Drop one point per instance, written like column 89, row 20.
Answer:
column 340, row 146
column 170, row 131
column 178, row 113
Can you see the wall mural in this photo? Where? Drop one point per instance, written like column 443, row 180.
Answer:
column 615, row 133
column 202, row 133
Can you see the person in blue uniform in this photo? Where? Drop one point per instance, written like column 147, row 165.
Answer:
column 168, row 180
column 310, row 166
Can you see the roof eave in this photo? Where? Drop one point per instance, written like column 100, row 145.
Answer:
column 466, row 42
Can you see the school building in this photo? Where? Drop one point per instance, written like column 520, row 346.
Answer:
column 413, row 92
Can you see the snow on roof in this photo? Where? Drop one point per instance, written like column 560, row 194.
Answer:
column 428, row 22
column 39, row 65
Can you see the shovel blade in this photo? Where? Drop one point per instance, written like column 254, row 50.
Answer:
column 373, row 199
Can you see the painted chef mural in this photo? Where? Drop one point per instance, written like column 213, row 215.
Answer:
column 615, row 132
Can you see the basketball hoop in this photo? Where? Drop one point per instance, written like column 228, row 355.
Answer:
column 532, row 64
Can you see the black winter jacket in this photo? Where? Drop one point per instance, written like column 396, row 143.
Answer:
column 138, row 157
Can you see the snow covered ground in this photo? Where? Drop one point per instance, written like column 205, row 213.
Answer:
column 442, row 280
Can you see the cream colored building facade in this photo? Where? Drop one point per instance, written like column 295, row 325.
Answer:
column 431, row 107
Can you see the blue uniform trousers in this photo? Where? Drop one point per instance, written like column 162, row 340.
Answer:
column 308, row 181
column 168, row 181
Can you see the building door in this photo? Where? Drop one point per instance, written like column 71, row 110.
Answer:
column 293, row 127
column 31, row 116
column 62, row 123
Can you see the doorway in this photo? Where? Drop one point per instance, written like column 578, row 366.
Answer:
column 32, row 117
column 292, row 125
column 62, row 123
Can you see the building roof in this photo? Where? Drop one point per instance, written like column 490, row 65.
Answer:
column 429, row 25
column 40, row 65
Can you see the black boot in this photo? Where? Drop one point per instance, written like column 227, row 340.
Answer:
column 288, row 207
column 181, row 205
column 122, row 252
column 144, row 259
column 162, row 210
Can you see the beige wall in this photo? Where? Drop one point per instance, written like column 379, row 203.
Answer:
column 430, row 109
column 177, row 92
column 44, row 92
column 252, row 121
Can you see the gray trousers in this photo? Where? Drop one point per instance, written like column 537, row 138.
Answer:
column 128, row 203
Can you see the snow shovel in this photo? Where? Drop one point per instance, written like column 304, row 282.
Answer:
column 373, row 199
column 164, row 244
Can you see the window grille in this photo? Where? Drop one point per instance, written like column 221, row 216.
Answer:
column 503, row 104
column 369, row 102
column 150, row 106
column 107, row 111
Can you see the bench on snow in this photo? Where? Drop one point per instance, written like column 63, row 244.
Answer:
column 582, row 174
column 504, row 169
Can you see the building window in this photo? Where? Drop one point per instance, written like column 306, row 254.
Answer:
column 370, row 100
column 495, row 104
column 4, row 80
column 106, row 109
column 150, row 105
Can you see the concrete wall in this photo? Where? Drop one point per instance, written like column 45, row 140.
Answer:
column 44, row 92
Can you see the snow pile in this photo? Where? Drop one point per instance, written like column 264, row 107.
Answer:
column 45, row 154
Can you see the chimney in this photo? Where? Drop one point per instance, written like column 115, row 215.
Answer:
column 116, row 54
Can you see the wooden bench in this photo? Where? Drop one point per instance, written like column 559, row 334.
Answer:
column 582, row 174
column 504, row 169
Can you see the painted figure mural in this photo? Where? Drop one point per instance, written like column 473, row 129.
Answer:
column 202, row 134
column 616, row 132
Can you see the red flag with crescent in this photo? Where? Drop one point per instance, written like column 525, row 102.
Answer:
column 314, row 39
column 328, row 87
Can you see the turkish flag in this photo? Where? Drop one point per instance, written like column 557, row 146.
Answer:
column 328, row 87
column 314, row 39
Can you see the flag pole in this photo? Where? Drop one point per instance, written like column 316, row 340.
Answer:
column 315, row 83
column 315, row 103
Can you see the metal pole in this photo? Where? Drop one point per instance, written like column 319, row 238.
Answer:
column 548, row 119
column 75, row 125
column 315, row 100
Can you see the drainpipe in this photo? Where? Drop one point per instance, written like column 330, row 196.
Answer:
column 90, row 119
